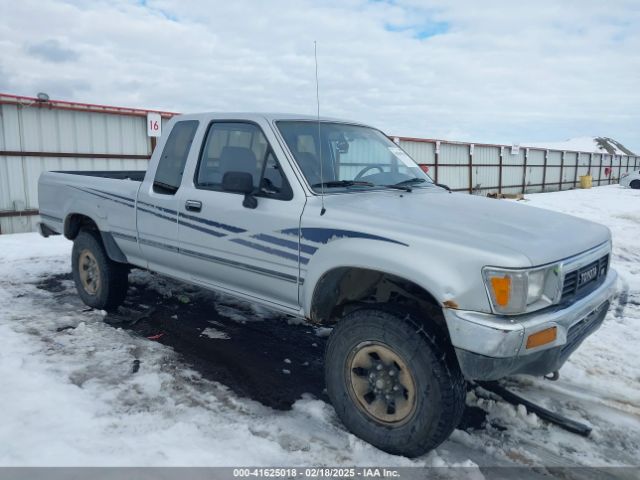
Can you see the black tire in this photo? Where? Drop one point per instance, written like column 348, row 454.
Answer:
column 111, row 278
column 635, row 184
column 440, row 388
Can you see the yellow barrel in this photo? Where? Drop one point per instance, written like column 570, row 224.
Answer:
column 585, row 181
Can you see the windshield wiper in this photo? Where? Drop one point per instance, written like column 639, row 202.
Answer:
column 406, row 184
column 343, row 183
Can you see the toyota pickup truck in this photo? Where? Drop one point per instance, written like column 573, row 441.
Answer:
column 333, row 222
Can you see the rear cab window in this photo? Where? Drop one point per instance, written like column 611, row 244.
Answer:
column 174, row 157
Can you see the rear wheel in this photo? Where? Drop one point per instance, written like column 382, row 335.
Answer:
column 391, row 383
column 101, row 282
column 635, row 184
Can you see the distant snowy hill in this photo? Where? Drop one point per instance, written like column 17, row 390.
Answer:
column 586, row 144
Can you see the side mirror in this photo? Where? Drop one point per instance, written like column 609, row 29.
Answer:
column 240, row 182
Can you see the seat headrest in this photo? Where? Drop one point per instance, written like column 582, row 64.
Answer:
column 238, row 159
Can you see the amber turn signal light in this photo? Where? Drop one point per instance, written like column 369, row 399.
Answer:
column 542, row 337
column 501, row 290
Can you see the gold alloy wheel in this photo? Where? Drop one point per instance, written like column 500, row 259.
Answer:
column 380, row 383
column 89, row 272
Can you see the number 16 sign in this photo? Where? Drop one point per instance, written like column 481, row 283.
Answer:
column 154, row 124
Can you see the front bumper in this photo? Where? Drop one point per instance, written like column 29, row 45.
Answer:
column 489, row 346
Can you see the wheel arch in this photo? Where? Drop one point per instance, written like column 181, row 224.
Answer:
column 341, row 290
column 76, row 222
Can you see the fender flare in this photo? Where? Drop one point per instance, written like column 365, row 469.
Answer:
column 113, row 250
column 385, row 257
column 111, row 247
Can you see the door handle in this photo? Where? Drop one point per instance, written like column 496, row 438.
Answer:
column 193, row 205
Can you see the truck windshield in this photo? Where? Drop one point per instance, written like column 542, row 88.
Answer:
column 353, row 157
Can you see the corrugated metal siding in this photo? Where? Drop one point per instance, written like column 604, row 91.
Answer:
column 514, row 158
column 569, row 170
column 535, row 170
column 60, row 131
column 583, row 164
column 454, row 153
column 456, row 178
column 421, row 152
column 536, row 157
column 483, row 155
column 546, row 170
column 511, row 176
column 485, row 177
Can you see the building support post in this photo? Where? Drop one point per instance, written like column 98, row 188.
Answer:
column 544, row 170
column 561, row 171
column 524, row 170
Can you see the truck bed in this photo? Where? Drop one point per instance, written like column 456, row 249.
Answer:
column 108, row 198
column 136, row 175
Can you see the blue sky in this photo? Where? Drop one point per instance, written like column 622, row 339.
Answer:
column 420, row 31
column 491, row 71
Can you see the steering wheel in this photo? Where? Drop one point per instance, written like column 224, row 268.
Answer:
column 366, row 169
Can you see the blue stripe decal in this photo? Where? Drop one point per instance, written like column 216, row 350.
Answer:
column 223, row 261
column 202, row 229
column 162, row 209
column 223, row 226
column 146, row 210
column 285, row 243
column 317, row 235
column 244, row 266
column 325, row 235
column 124, row 236
column 114, row 195
column 162, row 246
column 102, row 196
column 270, row 250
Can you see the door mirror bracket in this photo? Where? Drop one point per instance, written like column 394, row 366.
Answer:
column 250, row 201
column 240, row 182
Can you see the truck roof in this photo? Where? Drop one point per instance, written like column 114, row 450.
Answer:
column 255, row 116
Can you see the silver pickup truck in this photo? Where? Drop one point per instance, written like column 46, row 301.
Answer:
column 332, row 222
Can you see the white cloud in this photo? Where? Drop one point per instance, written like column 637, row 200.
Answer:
column 495, row 71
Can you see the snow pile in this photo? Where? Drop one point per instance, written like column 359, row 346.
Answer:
column 585, row 144
column 77, row 391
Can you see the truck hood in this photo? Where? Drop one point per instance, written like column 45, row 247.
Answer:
column 541, row 235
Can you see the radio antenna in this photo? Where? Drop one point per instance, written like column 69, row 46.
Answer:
column 315, row 55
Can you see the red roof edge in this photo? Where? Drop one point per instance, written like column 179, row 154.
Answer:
column 6, row 98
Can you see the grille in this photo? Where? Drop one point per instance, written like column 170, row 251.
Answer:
column 571, row 286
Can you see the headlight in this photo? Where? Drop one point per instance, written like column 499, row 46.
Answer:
column 518, row 291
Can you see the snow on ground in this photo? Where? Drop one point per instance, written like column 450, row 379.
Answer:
column 99, row 395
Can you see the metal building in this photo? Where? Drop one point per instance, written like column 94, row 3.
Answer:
column 38, row 136
column 483, row 168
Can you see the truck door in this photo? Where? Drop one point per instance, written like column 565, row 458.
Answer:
column 235, row 244
column 157, row 205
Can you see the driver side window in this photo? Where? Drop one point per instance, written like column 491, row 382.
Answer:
column 240, row 147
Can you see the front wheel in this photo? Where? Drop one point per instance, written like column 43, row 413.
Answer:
column 390, row 382
column 101, row 282
column 635, row 184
